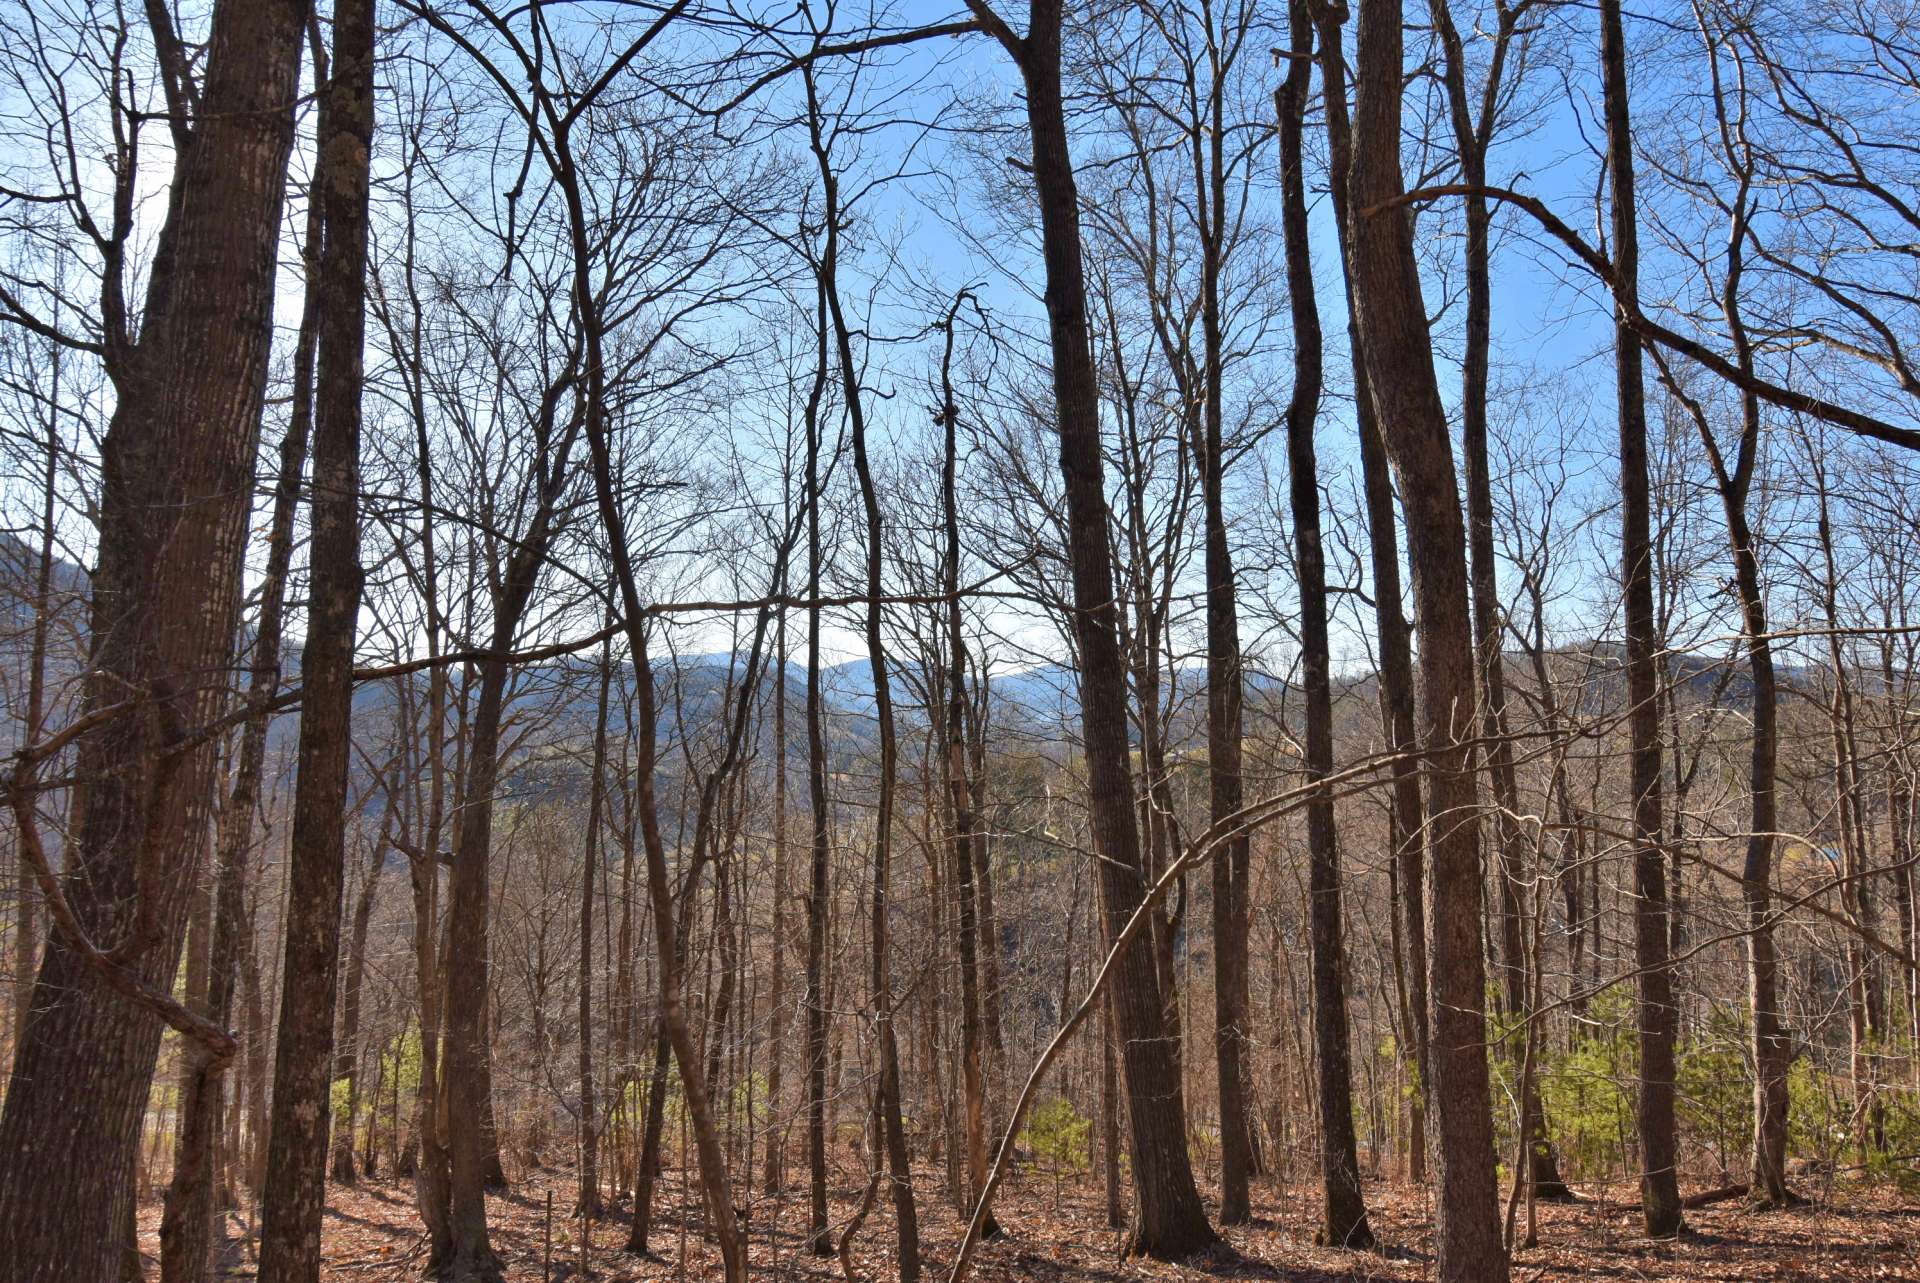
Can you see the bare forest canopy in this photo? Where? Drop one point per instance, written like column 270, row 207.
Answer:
column 895, row 638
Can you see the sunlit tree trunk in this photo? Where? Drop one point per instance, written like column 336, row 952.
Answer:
column 1659, row 1186
column 1406, row 827
column 177, row 465
column 1169, row 1221
column 1344, row 1204
column 1406, row 397
column 295, row 1196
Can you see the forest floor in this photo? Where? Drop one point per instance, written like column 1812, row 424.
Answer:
column 1851, row 1231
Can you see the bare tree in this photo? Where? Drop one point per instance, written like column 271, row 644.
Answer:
column 1406, row 397
column 589, row 1120
column 890, row 1130
column 1346, row 1209
column 295, row 1195
column 1169, row 1220
column 1406, row 827
column 1659, row 1183
column 178, row 462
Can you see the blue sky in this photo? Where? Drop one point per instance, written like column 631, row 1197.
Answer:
column 1552, row 336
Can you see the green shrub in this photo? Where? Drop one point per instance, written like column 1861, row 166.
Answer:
column 400, row 1061
column 1057, row 1134
column 1900, row 1140
column 750, row 1099
column 1587, row 1087
column 1714, row 1084
column 1819, row 1118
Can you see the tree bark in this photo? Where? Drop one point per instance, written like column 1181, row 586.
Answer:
column 26, row 925
column 819, row 873
column 177, row 466
column 425, row 1160
column 188, row 1220
column 1659, row 1184
column 651, row 1131
column 463, row 1076
column 960, row 796
column 890, row 1130
column 1344, row 1203
column 1473, row 137
column 1865, row 1010
column 1406, row 397
column 1169, row 1221
column 588, row 1199
column 295, row 1195
column 1390, row 621
column 714, row 1183
column 347, row 1058
column 1225, row 678
column 1769, row 1047
column 775, row 1177
column 1110, row 1120
column 679, row 1032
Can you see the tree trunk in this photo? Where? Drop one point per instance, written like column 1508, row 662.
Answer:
column 1110, row 1120
column 188, row 1211
column 254, row 988
column 723, row 959
column 891, row 1131
column 467, row 1097
column 1345, row 1204
column 887, row 1096
column 679, row 1033
column 651, row 1131
column 775, row 1176
column 187, row 1229
column 425, row 1159
column 588, row 1199
column 1406, row 397
column 1225, row 679
column 177, row 463
column 1865, row 1011
column 623, row 1069
column 1169, row 1221
column 1659, row 1185
column 713, row 1171
column 1472, row 138
column 1390, row 621
column 463, row 1075
column 960, row 796
column 819, row 876
column 1771, row 1049
column 295, row 1196
column 989, row 933
column 432, row 1190
column 347, row 1061
column 26, row 924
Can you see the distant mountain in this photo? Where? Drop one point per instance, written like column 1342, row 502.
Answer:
column 1707, row 678
column 68, row 590
column 19, row 570
column 553, row 704
column 1044, row 695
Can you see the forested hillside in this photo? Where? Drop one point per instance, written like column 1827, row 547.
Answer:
column 855, row 639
